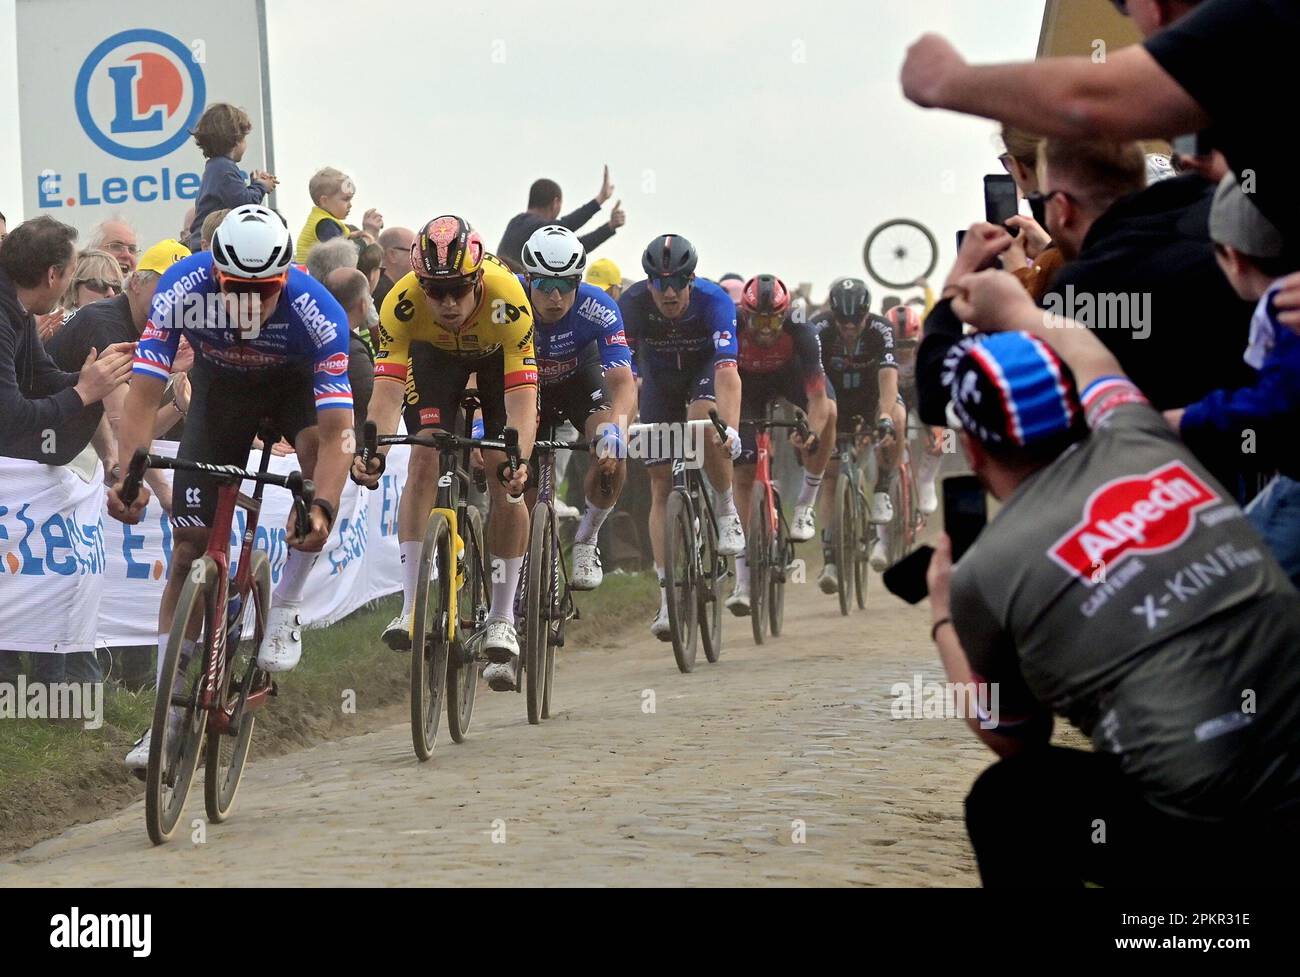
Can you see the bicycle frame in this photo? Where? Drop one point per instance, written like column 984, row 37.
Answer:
column 559, row 610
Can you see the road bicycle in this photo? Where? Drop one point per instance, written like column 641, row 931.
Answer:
column 694, row 570
column 544, row 601
column 769, row 550
column 453, row 592
column 214, row 688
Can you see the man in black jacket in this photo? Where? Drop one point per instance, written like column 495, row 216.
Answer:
column 544, row 203
column 43, row 415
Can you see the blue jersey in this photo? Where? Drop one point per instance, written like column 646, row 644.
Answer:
column 306, row 326
column 594, row 318
column 706, row 331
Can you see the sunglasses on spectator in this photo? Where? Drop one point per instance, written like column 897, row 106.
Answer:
column 441, row 291
column 676, row 282
column 549, row 284
column 1037, row 198
column 265, row 288
column 99, row 286
column 116, row 246
column 1005, row 160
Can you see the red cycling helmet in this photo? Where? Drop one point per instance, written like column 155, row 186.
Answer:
column 906, row 321
column 765, row 295
column 447, row 248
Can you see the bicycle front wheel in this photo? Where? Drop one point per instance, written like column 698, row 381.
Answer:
column 862, row 551
column 429, row 645
column 782, row 556
column 680, row 579
column 757, row 556
column 227, row 753
column 844, row 538
column 176, row 736
column 537, row 610
column 472, row 606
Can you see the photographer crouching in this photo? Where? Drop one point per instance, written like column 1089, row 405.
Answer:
column 1121, row 588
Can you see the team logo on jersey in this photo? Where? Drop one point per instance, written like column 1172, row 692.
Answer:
column 721, row 338
column 336, row 365
column 1147, row 513
column 430, row 416
column 616, row 339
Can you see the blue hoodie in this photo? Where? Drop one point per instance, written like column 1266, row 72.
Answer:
column 224, row 187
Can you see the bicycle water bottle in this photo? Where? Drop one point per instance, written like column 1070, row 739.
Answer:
column 234, row 620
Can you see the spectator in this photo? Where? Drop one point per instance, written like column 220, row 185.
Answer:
column 96, row 275
column 605, row 275
column 186, row 221
column 328, row 256
column 331, row 196
column 117, row 237
column 1250, row 250
column 4, row 228
column 1033, row 258
column 222, row 137
column 43, row 415
column 210, row 225
column 352, row 289
column 396, row 243
column 1176, row 82
column 1142, row 255
column 369, row 263
column 545, row 201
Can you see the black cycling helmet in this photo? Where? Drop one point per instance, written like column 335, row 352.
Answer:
column 850, row 298
column 669, row 254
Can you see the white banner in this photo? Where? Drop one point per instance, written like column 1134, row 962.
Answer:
column 359, row 563
column 109, row 94
column 52, row 557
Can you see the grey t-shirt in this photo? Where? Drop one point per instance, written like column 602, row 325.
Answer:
column 1122, row 587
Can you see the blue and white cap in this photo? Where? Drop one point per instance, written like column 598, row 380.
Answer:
column 1011, row 389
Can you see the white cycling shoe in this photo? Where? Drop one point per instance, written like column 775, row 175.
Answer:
column 398, row 633
column 804, row 526
column 587, row 571
column 660, row 627
column 738, row 602
column 138, row 758
column 282, row 644
column 882, row 509
column 928, row 498
column 565, row 511
column 501, row 645
column 879, row 556
column 731, row 537
column 829, row 579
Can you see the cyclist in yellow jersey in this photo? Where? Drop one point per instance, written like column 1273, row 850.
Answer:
column 459, row 312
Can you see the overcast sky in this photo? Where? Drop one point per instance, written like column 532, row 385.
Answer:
column 774, row 136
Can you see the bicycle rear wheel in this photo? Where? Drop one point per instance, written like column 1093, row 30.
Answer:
column 472, row 606
column 429, row 646
column 862, row 551
column 708, row 592
column 900, row 526
column 227, row 753
column 176, row 736
column 758, row 558
column 537, row 608
column 844, row 538
column 782, row 556
column 679, row 578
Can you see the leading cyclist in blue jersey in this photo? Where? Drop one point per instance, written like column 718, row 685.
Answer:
column 683, row 333
column 269, row 342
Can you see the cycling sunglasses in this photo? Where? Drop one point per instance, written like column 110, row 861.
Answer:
column 100, row 287
column 772, row 322
column 265, row 288
column 548, row 284
column 440, row 291
column 676, row 282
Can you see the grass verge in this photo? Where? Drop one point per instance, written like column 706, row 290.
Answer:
column 54, row 774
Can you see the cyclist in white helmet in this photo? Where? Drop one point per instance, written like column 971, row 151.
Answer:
column 269, row 342
column 584, row 367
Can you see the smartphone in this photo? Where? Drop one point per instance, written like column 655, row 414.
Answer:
column 906, row 578
column 1001, row 200
column 965, row 512
column 1192, row 144
column 961, row 236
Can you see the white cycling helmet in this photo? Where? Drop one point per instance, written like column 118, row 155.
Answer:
column 554, row 251
column 252, row 242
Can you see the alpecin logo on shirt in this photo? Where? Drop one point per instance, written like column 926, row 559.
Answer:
column 1137, row 514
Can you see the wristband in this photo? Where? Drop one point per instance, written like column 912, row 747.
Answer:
column 477, row 431
column 325, row 508
column 610, row 444
column 934, row 631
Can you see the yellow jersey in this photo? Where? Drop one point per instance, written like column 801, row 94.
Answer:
column 502, row 321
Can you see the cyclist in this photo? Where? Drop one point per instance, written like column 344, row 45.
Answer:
column 733, row 285
column 683, row 332
column 459, row 311
column 858, row 354
column 926, row 443
column 579, row 334
column 274, row 344
column 779, row 356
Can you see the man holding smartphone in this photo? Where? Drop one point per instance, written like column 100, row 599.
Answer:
column 1120, row 587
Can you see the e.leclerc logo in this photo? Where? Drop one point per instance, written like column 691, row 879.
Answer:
column 137, row 95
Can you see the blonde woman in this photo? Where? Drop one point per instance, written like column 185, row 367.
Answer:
column 96, row 276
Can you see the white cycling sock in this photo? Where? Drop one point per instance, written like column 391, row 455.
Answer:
column 187, row 652
column 742, row 572
column 927, row 466
column 727, row 503
column 808, row 491
column 663, row 591
column 293, row 578
column 503, row 591
column 592, row 519
column 410, row 572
